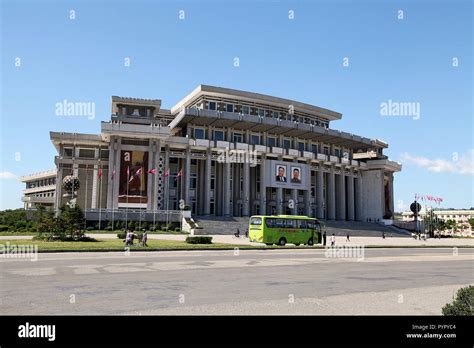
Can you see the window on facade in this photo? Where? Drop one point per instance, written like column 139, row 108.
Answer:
column 245, row 110
column 314, row 148
column 286, row 143
column 212, row 105
column 229, row 107
column 199, row 133
column 271, row 141
column 255, row 139
column 326, row 150
column 104, row 154
column 67, row 152
column 86, row 153
column 218, row 135
column 301, row 146
column 276, row 114
column 237, row 138
column 337, row 152
column 261, row 112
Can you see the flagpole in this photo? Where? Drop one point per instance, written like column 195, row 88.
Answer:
column 112, row 183
column 126, row 212
column 85, row 198
column 100, row 196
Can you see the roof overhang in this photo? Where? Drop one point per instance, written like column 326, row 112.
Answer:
column 221, row 119
column 251, row 97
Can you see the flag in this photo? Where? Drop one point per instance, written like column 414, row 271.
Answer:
column 113, row 174
column 166, row 173
column 180, row 173
column 137, row 173
column 100, row 173
column 152, row 171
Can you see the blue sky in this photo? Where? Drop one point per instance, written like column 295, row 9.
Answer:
column 403, row 60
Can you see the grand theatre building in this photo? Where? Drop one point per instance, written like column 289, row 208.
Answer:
column 224, row 152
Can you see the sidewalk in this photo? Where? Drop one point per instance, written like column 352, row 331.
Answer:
column 365, row 241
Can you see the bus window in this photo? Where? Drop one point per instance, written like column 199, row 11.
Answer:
column 279, row 223
column 302, row 224
column 256, row 221
column 270, row 222
column 310, row 224
column 290, row 223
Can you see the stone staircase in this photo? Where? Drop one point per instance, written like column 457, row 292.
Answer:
column 363, row 229
column 221, row 225
column 229, row 225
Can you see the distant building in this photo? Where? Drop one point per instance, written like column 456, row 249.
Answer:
column 40, row 189
column 460, row 216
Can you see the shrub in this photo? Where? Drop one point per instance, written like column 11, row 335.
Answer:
column 199, row 240
column 462, row 304
column 90, row 228
column 177, row 229
column 121, row 235
column 3, row 228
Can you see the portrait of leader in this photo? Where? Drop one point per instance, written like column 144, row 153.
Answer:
column 281, row 173
column 296, row 175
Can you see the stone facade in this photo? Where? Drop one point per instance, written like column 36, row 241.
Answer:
column 151, row 161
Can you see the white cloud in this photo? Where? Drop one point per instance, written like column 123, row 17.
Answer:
column 459, row 164
column 7, row 175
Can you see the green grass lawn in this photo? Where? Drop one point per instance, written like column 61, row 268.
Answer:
column 31, row 233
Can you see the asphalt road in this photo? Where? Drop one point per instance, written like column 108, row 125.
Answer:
column 383, row 281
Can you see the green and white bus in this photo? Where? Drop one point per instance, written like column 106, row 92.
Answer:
column 283, row 229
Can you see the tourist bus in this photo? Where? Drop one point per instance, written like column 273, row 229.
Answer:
column 283, row 229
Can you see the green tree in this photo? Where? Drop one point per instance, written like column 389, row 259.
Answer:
column 471, row 222
column 462, row 304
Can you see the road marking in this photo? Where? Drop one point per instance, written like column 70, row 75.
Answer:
column 132, row 267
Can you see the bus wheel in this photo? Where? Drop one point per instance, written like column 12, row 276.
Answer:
column 282, row 242
column 310, row 241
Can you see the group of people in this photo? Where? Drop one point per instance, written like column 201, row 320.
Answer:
column 130, row 237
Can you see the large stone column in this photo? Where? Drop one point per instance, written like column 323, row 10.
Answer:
column 390, row 178
column 350, row 197
column 263, row 188
column 246, row 193
column 319, row 192
column 187, row 176
column 279, row 200
column 154, row 177
column 109, row 176
column 149, row 180
column 116, row 181
column 307, row 205
column 166, row 186
column 341, row 206
column 331, row 192
column 294, row 197
column 207, row 184
column 358, row 197
column 227, row 190
column 95, row 177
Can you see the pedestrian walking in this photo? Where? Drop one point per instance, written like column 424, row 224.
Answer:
column 324, row 238
column 144, row 238
column 128, row 238
column 333, row 240
column 383, row 235
column 347, row 238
